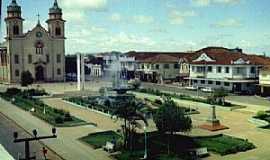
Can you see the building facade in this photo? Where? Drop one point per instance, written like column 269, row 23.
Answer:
column 224, row 68
column 40, row 51
column 264, row 81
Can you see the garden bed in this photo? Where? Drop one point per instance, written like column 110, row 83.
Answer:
column 223, row 144
column 180, row 147
column 53, row 116
column 263, row 116
column 97, row 140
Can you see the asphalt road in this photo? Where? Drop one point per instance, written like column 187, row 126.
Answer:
column 7, row 127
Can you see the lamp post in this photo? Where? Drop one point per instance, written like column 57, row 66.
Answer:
column 28, row 140
column 145, row 143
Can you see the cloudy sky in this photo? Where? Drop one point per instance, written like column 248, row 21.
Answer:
column 158, row 25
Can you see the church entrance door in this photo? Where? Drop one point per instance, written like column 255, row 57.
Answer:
column 40, row 73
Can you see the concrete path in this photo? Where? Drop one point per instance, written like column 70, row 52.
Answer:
column 66, row 145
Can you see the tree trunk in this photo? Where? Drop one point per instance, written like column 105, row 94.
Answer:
column 168, row 144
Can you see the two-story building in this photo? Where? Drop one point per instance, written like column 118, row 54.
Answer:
column 230, row 69
column 264, row 80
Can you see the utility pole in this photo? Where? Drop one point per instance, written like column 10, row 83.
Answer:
column 28, row 140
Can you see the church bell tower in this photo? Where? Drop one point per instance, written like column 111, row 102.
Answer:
column 14, row 21
column 56, row 24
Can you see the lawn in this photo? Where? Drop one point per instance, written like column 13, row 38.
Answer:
column 97, row 140
column 223, row 144
column 180, row 146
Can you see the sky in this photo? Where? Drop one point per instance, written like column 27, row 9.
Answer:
column 157, row 25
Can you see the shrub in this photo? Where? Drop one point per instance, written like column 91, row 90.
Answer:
column 68, row 117
column 59, row 120
column 158, row 101
column 13, row 91
column 26, row 78
column 261, row 115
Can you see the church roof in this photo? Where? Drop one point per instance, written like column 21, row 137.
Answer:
column 55, row 9
column 14, row 7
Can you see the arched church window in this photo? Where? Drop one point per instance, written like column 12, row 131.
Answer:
column 15, row 29
column 58, row 31
column 39, row 47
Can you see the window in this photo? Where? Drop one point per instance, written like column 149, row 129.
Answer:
column 157, row 66
column 17, row 73
column 193, row 68
column 48, row 58
column 226, row 84
column 16, row 30
column 218, row 83
column 166, row 66
column 209, row 68
column 58, row 31
column 176, row 66
column 58, row 58
column 202, row 81
column 58, row 71
column 16, row 59
column 219, row 69
column 210, row 82
column 227, row 69
column 195, row 81
column 252, row 70
column 30, row 59
column 39, row 47
column 142, row 66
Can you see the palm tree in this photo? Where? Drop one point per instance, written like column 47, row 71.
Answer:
column 130, row 111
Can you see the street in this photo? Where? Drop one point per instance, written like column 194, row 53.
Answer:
column 16, row 150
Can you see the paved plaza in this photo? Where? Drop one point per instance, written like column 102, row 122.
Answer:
column 67, row 141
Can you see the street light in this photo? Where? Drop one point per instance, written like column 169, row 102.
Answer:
column 145, row 143
column 28, row 140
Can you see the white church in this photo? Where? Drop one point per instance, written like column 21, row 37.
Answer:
column 40, row 51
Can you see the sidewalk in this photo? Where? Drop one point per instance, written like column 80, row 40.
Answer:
column 66, row 145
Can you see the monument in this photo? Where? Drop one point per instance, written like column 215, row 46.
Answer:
column 213, row 124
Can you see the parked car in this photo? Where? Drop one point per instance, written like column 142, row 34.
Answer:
column 193, row 88
column 207, row 89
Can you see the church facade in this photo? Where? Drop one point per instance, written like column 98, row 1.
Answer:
column 40, row 51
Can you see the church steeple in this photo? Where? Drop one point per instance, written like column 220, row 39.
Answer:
column 56, row 25
column 55, row 10
column 14, row 21
column 14, row 10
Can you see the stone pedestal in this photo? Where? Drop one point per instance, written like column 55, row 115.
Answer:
column 213, row 124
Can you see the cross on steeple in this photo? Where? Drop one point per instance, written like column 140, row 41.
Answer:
column 38, row 15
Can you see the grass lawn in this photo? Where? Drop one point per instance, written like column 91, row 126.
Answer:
column 223, row 144
column 97, row 140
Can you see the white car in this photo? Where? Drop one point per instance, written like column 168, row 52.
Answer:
column 207, row 89
column 193, row 88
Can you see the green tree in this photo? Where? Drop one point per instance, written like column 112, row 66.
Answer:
column 26, row 78
column 170, row 118
column 130, row 111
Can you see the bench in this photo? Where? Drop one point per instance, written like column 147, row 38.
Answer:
column 109, row 147
column 201, row 152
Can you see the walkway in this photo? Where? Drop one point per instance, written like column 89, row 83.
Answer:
column 66, row 145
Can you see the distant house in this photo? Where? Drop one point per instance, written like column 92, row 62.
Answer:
column 230, row 69
column 264, row 81
column 157, row 67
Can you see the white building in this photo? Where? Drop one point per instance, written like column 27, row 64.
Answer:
column 230, row 69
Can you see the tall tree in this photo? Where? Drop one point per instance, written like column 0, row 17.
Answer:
column 26, row 78
column 129, row 110
column 170, row 118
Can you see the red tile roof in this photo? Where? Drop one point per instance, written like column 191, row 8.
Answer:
column 222, row 56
